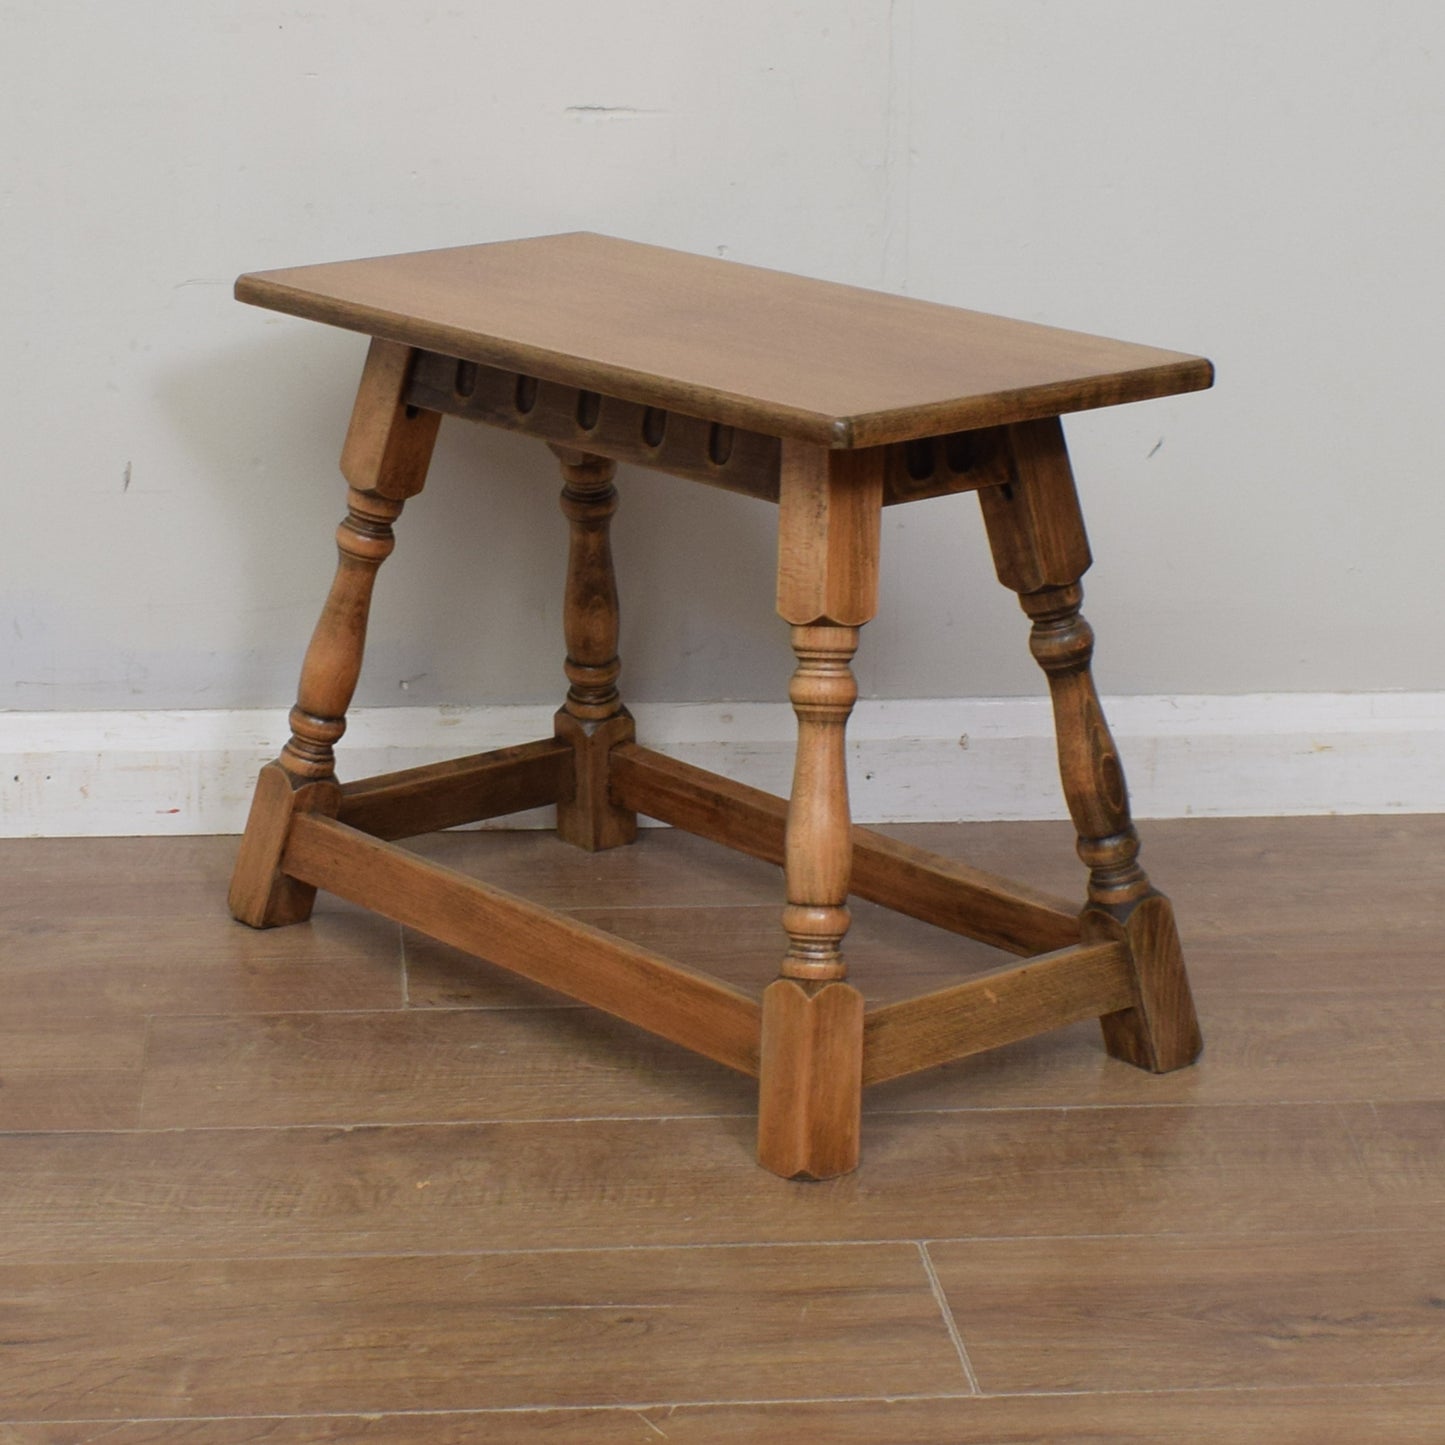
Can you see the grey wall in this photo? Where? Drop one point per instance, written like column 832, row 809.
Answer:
column 1258, row 183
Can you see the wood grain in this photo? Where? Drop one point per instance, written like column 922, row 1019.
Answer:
column 463, row 790
column 666, row 998
column 1166, row 1313
column 884, row 870
column 1402, row 1145
column 1274, row 1214
column 265, row 1192
column 471, row 1331
column 811, row 1079
column 999, row 1008
column 732, row 458
column 624, row 431
column 1323, row 1415
column 1284, row 1048
column 893, row 956
column 662, row 868
column 434, row 1064
column 1036, row 532
column 388, row 443
column 759, row 349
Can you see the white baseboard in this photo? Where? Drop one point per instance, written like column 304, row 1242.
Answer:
column 97, row 774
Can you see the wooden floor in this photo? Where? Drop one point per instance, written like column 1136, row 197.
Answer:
column 337, row 1182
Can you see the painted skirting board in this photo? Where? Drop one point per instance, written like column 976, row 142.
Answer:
column 101, row 773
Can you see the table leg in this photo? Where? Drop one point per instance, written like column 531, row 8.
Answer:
column 593, row 719
column 810, row 1092
column 1041, row 551
column 385, row 458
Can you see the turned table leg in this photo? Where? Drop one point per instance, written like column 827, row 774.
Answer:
column 812, row 1037
column 592, row 719
column 388, row 447
column 1041, row 551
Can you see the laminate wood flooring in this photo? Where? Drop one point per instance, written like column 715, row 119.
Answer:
column 339, row 1182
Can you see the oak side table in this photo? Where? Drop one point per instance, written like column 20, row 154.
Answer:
column 832, row 403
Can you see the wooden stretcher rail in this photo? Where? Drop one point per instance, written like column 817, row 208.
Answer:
column 596, row 968
column 465, row 790
column 996, row 1008
column 909, row 880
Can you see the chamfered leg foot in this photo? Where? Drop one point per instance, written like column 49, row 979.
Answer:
column 811, row 1083
column 1161, row 1032
column 261, row 894
column 589, row 819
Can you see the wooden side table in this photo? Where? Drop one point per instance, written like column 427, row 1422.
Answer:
column 832, row 403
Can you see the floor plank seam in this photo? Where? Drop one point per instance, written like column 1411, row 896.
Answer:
column 622, row 1407
column 946, row 1310
column 356, row 1125
column 41, row 1261
column 1311, row 1389
column 27, row 1261
column 401, row 1011
column 532, row 1122
column 1238, row 1254
column 1193, row 1106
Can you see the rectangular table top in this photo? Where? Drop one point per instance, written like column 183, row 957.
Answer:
column 781, row 354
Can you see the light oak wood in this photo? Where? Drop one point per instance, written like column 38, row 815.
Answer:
column 1040, row 551
column 1034, row 524
column 999, row 1008
column 261, row 894
column 1237, row 1171
column 731, row 458
column 332, row 665
column 1211, row 1225
column 896, row 956
column 832, row 402
column 474, row 1330
column 592, row 721
column 1200, row 1312
column 1268, row 1049
column 664, row 868
column 388, row 447
column 757, row 349
column 817, row 839
column 445, row 1065
column 810, row 1090
column 1161, row 1031
column 389, row 442
column 1320, row 1415
column 589, row 607
column 811, row 1079
column 462, row 790
column 828, row 531
column 885, row 870
column 663, row 997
